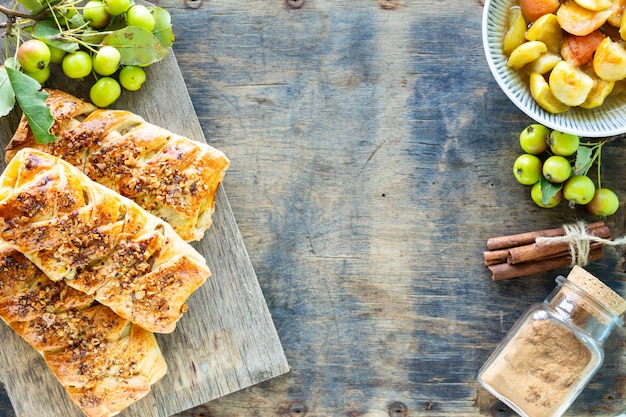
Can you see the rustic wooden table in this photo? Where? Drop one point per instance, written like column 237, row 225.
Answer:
column 372, row 158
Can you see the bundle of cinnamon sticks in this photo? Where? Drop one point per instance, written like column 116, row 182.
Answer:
column 519, row 255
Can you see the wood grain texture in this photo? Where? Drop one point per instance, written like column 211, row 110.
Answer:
column 225, row 342
column 372, row 158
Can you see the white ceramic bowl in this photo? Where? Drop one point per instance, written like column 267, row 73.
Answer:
column 605, row 121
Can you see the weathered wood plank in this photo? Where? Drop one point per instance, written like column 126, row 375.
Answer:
column 372, row 156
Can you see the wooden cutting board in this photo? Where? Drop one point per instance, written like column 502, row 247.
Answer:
column 225, row 342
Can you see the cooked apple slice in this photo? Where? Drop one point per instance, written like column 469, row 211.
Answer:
column 526, row 53
column 540, row 90
column 547, row 30
column 534, row 9
column 579, row 21
column 514, row 35
column 579, row 50
column 599, row 92
column 569, row 84
column 609, row 61
column 543, row 64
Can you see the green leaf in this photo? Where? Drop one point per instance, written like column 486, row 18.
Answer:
column 163, row 26
column 548, row 190
column 11, row 62
column 137, row 46
column 76, row 20
column 49, row 33
column 7, row 96
column 32, row 101
column 583, row 160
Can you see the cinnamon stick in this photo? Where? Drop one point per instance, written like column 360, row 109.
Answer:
column 535, row 251
column 520, row 239
column 495, row 256
column 566, row 253
column 506, row 271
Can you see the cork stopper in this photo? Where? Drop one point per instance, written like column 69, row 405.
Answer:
column 598, row 290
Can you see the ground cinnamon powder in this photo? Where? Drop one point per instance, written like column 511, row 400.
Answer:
column 538, row 368
column 555, row 348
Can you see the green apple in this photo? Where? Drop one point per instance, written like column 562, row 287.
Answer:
column 579, row 189
column 564, row 144
column 117, row 7
column 33, row 55
column 106, row 60
column 537, row 196
column 556, row 169
column 527, row 169
column 77, row 64
column 105, row 91
column 534, row 139
column 139, row 15
column 56, row 54
column 604, row 203
column 132, row 77
column 95, row 14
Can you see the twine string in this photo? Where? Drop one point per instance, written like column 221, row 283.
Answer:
column 579, row 242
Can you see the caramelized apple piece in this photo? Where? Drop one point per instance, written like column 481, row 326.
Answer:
column 514, row 35
column 599, row 92
column 579, row 21
column 534, row 9
column 526, row 53
column 609, row 61
column 579, row 50
column 540, row 90
column 547, row 30
column 569, row 84
column 543, row 64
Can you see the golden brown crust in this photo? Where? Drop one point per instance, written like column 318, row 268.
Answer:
column 171, row 176
column 97, row 241
column 104, row 362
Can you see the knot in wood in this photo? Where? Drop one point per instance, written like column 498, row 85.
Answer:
column 295, row 4
column 193, row 4
column 389, row 4
column 398, row 409
column 294, row 409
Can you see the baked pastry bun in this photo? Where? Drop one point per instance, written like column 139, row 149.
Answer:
column 97, row 241
column 104, row 362
column 171, row 176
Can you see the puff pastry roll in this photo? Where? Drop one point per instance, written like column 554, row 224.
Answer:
column 171, row 176
column 99, row 242
column 104, row 362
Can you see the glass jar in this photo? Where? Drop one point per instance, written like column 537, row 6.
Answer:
column 554, row 349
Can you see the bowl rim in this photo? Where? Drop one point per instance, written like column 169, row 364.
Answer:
column 568, row 122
